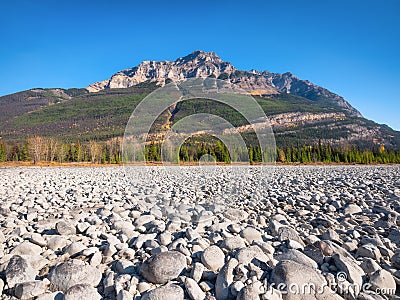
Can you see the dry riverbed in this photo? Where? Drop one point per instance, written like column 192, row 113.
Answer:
column 295, row 232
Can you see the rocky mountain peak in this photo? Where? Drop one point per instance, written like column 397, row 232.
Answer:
column 201, row 64
column 200, row 56
column 198, row 64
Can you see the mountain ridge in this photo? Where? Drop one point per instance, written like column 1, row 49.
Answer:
column 201, row 64
column 300, row 112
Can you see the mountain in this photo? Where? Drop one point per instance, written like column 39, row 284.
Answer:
column 299, row 111
column 209, row 64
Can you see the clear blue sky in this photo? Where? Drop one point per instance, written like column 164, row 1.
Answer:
column 351, row 47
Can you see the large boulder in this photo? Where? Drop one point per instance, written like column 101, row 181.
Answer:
column 19, row 270
column 82, row 291
column 297, row 256
column 251, row 234
column 352, row 209
column 347, row 264
column 166, row 292
column 70, row 273
column 301, row 282
column 287, row 233
column 235, row 214
column 30, row 289
column 193, row 289
column 382, row 280
column 251, row 254
column 225, row 279
column 64, row 228
column 164, row 266
column 26, row 248
column 213, row 258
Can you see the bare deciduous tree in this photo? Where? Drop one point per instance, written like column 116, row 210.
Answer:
column 94, row 151
column 114, row 149
column 36, row 148
column 52, row 148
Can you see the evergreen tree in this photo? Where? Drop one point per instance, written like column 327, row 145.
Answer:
column 3, row 152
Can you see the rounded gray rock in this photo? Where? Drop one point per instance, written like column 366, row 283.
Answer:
column 251, row 234
column 382, row 280
column 225, row 279
column 233, row 243
column 19, row 270
column 82, row 291
column 166, row 292
column 164, row 266
column 194, row 290
column 290, row 273
column 64, row 228
column 213, row 258
column 30, row 289
column 68, row 274
column 297, row 256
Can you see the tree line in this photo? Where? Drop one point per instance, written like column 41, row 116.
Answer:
column 42, row 149
column 326, row 153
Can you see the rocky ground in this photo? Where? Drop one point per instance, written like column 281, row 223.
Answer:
column 200, row 233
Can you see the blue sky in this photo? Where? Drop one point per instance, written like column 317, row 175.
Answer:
column 350, row 47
